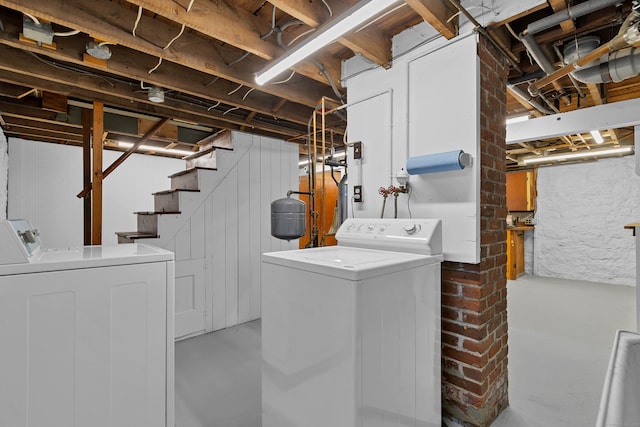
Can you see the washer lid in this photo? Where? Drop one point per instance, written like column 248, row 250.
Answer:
column 348, row 263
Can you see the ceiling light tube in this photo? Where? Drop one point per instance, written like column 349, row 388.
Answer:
column 597, row 137
column 157, row 149
column 577, row 155
column 354, row 16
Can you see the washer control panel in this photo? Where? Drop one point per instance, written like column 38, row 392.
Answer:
column 421, row 236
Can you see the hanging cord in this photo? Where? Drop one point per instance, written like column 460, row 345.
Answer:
column 273, row 24
column 230, row 109
column 244, row 55
column 235, row 90
column 135, row 25
column 248, row 92
column 285, row 80
column 190, row 5
column 213, row 106
column 167, row 47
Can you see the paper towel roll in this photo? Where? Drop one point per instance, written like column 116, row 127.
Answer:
column 441, row 162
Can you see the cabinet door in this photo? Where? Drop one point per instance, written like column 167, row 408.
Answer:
column 84, row 347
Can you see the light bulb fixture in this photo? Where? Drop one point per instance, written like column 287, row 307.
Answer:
column 98, row 50
column 402, row 177
column 356, row 15
column 597, row 136
column 156, row 94
column 520, row 118
column 577, row 155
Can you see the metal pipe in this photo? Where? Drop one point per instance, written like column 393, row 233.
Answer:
column 631, row 37
column 528, row 98
column 573, row 80
column 573, row 12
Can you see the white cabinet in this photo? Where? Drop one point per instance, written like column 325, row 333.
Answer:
column 88, row 346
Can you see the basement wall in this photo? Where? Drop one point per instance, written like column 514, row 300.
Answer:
column 4, row 170
column 45, row 178
column 581, row 213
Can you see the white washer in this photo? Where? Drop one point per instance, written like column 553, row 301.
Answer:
column 87, row 333
column 351, row 333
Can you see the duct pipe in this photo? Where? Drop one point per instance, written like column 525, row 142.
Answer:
column 573, row 12
column 516, row 91
column 622, row 40
column 618, row 66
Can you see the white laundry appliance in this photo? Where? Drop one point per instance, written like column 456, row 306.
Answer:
column 86, row 333
column 351, row 333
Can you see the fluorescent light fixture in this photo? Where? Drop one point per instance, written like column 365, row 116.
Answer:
column 358, row 14
column 156, row 149
column 597, row 137
column 577, row 155
column 516, row 119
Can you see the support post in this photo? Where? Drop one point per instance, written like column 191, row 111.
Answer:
column 96, row 196
column 86, row 171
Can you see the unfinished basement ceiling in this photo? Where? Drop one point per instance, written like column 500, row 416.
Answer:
column 204, row 55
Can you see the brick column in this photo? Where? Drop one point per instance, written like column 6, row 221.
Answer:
column 474, row 296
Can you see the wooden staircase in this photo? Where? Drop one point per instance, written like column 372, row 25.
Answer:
column 167, row 202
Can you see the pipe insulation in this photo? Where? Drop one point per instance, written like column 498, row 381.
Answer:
column 615, row 67
column 440, row 162
column 574, row 12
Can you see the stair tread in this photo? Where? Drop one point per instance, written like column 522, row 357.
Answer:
column 200, row 153
column 174, row 190
column 158, row 213
column 136, row 235
column 186, row 171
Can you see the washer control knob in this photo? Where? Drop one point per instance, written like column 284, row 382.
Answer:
column 410, row 228
column 370, row 227
column 381, row 228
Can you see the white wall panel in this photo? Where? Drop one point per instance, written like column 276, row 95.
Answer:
column 45, row 178
column 4, row 171
column 218, row 259
column 244, row 237
column 410, row 110
column 581, row 213
column 254, row 263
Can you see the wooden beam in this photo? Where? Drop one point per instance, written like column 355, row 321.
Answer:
column 558, row 5
column 437, row 13
column 598, row 99
column 85, row 191
column 371, row 42
column 114, row 21
column 232, row 25
column 21, row 68
column 86, row 171
column 96, row 194
column 14, row 91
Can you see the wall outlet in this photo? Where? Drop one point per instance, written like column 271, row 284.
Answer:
column 357, row 193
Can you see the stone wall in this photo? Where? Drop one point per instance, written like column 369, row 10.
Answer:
column 581, row 213
column 4, row 172
column 474, row 296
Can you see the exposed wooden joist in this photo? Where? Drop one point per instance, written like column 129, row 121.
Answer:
column 112, row 21
column 130, row 64
column 14, row 91
column 24, row 69
column 438, row 14
column 596, row 95
column 371, row 42
column 558, row 5
column 232, row 25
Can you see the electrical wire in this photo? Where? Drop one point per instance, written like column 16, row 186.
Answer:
column 135, row 25
column 190, row 5
column 213, row 106
column 328, row 7
column 230, row 109
column 175, row 38
column 248, row 92
column 273, row 24
column 300, row 35
column 215, row 79
column 235, row 90
column 285, row 80
column 33, row 18
column 238, row 60
column 69, row 68
column 156, row 67
column 67, row 33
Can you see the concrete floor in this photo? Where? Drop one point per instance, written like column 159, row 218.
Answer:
column 560, row 338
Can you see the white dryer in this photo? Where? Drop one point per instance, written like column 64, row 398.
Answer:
column 351, row 333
